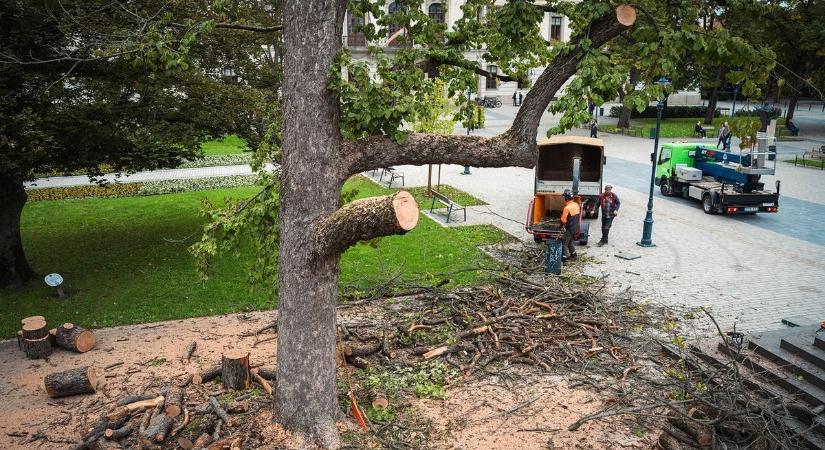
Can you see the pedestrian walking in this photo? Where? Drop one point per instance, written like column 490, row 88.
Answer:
column 520, row 98
column 724, row 136
column 514, row 99
column 570, row 221
column 594, row 129
column 609, row 204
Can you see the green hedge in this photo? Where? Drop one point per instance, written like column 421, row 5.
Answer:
column 669, row 112
column 137, row 189
column 218, row 160
column 777, row 112
column 111, row 190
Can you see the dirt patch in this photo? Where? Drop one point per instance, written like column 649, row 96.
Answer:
column 531, row 415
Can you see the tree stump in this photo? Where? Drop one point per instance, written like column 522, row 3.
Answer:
column 157, row 430
column 24, row 320
column 174, row 402
column 74, row 338
column 80, row 380
column 35, row 329
column 235, row 370
column 38, row 348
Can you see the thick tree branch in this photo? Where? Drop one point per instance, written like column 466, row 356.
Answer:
column 440, row 60
column 363, row 220
column 517, row 146
column 422, row 148
column 240, row 26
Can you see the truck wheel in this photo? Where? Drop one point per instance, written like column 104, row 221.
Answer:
column 664, row 187
column 707, row 204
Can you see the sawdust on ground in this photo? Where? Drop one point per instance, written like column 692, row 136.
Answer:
column 474, row 416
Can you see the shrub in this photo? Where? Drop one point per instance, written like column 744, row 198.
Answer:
column 195, row 184
column 218, row 160
column 61, row 193
column 669, row 112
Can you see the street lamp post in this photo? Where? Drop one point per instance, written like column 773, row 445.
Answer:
column 469, row 126
column 647, row 230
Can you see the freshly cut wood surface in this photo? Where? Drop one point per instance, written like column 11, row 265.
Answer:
column 74, row 338
column 626, row 15
column 35, row 329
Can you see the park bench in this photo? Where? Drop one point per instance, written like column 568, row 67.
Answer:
column 709, row 132
column 818, row 155
column 451, row 205
column 392, row 174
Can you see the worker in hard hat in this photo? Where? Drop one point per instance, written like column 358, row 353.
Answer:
column 570, row 216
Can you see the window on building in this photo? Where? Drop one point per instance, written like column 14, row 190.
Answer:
column 436, row 13
column 555, row 28
column 492, row 82
column 355, row 35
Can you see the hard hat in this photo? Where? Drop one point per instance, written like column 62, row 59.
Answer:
column 568, row 194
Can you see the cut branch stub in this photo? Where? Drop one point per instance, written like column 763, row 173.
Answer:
column 363, row 220
column 626, row 15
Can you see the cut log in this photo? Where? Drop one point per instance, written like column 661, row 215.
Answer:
column 158, row 428
column 235, row 370
column 626, row 15
column 268, row 373
column 38, row 348
column 80, row 380
column 218, row 409
column 126, row 410
column 119, row 433
column 174, row 402
column 206, row 375
column 202, row 441
column 701, row 433
column 35, row 329
column 134, row 398
column 668, row 442
column 31, row 318
column 363, row 220
column 74, row 338
column 260, row 380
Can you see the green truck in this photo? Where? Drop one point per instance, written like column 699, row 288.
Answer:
column 726, row 182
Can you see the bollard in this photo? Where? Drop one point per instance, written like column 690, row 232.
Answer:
column 552, row 256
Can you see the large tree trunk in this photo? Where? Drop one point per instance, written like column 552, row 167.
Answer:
column 624, row 115
column 306, row 396
column 713, row 99
column 14, row 268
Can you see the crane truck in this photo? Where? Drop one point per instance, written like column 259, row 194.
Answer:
column 726, row 182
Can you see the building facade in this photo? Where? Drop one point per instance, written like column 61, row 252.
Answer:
column 554, row 28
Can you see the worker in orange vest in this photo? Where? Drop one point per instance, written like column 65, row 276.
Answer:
column 570, row 216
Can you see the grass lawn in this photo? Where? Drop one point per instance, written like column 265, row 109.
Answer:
column 227, row 146
column 124, row 262
column 683, row 127
column 818, row 163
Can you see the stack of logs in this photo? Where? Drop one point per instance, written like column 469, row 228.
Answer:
column 37, row 341
column 162, row 416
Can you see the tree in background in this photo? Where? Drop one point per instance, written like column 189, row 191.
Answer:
column 133, row 86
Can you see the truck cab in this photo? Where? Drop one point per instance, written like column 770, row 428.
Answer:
column 565, row 162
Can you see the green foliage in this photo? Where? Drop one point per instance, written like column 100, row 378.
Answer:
column 228, row 145
column 426, row 380
column 147, row 188
column 745, row 130
column 669, row 113
column 432, row 116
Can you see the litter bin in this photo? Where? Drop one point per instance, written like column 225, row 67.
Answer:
column 552, row 257
column 772, row 154
column 652, row 133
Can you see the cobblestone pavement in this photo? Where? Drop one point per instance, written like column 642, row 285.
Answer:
column 749, row 270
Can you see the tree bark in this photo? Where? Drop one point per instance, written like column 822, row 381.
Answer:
column 624, row 115
column 713, row 98
column 306, row 399
column 80, row 380
column 74, row 338
column 235, row 370
column 14, row 268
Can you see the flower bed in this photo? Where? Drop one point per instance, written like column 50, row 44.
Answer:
column 136, row 189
